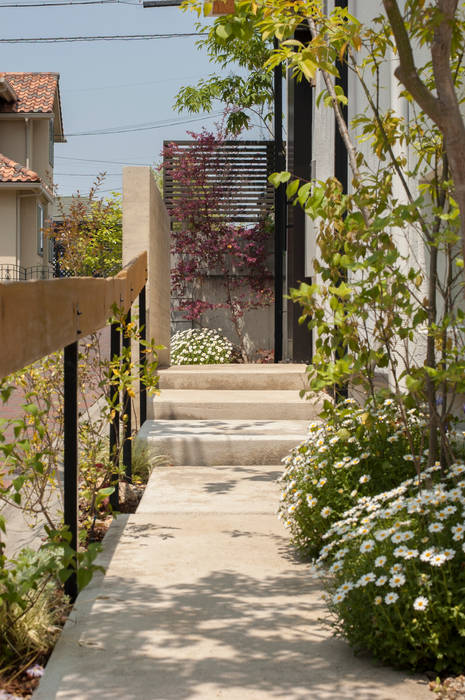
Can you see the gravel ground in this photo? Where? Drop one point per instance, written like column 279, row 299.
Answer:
column 452, row 688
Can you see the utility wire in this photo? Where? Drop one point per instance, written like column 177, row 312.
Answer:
column 86, row 174
column 68, row 2
column 142, row 127
column 109, row 37
column 95, row 160
column 134, row 84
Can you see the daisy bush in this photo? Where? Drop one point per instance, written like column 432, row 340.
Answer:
column 356, row 452
column 202, row 346
column 397, row 572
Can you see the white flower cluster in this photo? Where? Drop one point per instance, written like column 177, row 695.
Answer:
column 341, row 459
column 201, row 346
column 429, row 516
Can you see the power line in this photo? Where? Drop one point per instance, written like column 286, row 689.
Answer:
column 125, row 85
column 109, row 37
column 95, row 160
column 141, row 127
column 68, row 2
column 86, row 174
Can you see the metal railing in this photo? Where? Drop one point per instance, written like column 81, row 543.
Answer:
column 44, row 316
column 17, row 273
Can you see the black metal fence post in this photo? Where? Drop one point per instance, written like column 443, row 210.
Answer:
column 115, row 352
column 127, row 443
column 279, row 213
column 70, row 456
column 142, row 356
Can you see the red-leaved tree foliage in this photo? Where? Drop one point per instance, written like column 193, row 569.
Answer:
column 206, row 243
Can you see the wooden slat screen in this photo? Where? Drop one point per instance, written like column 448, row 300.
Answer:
column 242, row 167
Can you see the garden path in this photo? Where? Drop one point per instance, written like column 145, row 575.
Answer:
column 203, row 598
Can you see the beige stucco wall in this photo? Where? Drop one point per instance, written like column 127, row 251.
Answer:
column 13, row 144
column 28, row 232
column 20, row 225
column 18, row 228
column 40, row 150
column 13, row 139
column 146, row 227
column 8, row 227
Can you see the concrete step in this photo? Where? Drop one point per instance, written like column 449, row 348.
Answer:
column 235, row 377
column 222, row 442
column 208, row 404
column 233, row 489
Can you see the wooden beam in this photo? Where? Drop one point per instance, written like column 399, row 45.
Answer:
column 39, row 317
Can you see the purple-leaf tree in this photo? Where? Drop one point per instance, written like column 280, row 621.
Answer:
column 206, row 242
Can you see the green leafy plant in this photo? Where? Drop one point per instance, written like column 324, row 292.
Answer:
column 89, row 235
column 232, row 42
column 202, row 346
column 355, row 452
column 397, row 578
column 29, row 605
column 388, row 276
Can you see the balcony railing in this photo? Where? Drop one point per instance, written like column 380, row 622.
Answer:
column 17, row 273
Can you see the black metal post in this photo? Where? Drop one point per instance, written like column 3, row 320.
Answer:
column 127, row 442
column 142, row 356
column 70, row 456
column 115, row 352
column 279, row 213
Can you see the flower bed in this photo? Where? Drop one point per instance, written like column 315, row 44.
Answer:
column 356, row 452
column 388, row 544
column 398, row 572
column 202, row 346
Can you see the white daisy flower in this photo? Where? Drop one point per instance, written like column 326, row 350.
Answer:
column 411, row 554
column 459, row 532
column 367, row 546
column 390, row 598
column 365, row 579
column 396, row 569
column 345, row 587
column 449, row 554
column 380, row 561
column 438, row 559
column 397, row 580
column 427, row 555
column 420, row 603
column 338, row 598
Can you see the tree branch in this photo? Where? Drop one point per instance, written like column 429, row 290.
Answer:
column 407, row 72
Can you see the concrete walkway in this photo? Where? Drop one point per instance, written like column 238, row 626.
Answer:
column 203, row 599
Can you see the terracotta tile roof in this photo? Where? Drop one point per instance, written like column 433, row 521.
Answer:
column 35, row 91
column 10, row 171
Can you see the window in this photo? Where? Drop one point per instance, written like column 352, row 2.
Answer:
column 40, row 229
column 51, row 142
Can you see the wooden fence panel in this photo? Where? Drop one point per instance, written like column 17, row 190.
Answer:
column 40, row 317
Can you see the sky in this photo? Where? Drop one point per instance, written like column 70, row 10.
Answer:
column 109, row 83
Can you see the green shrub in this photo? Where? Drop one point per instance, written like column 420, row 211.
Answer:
column 357, row 452
column 143, row 463
column 202, row 346
column 397, row 580
column 29, row 605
